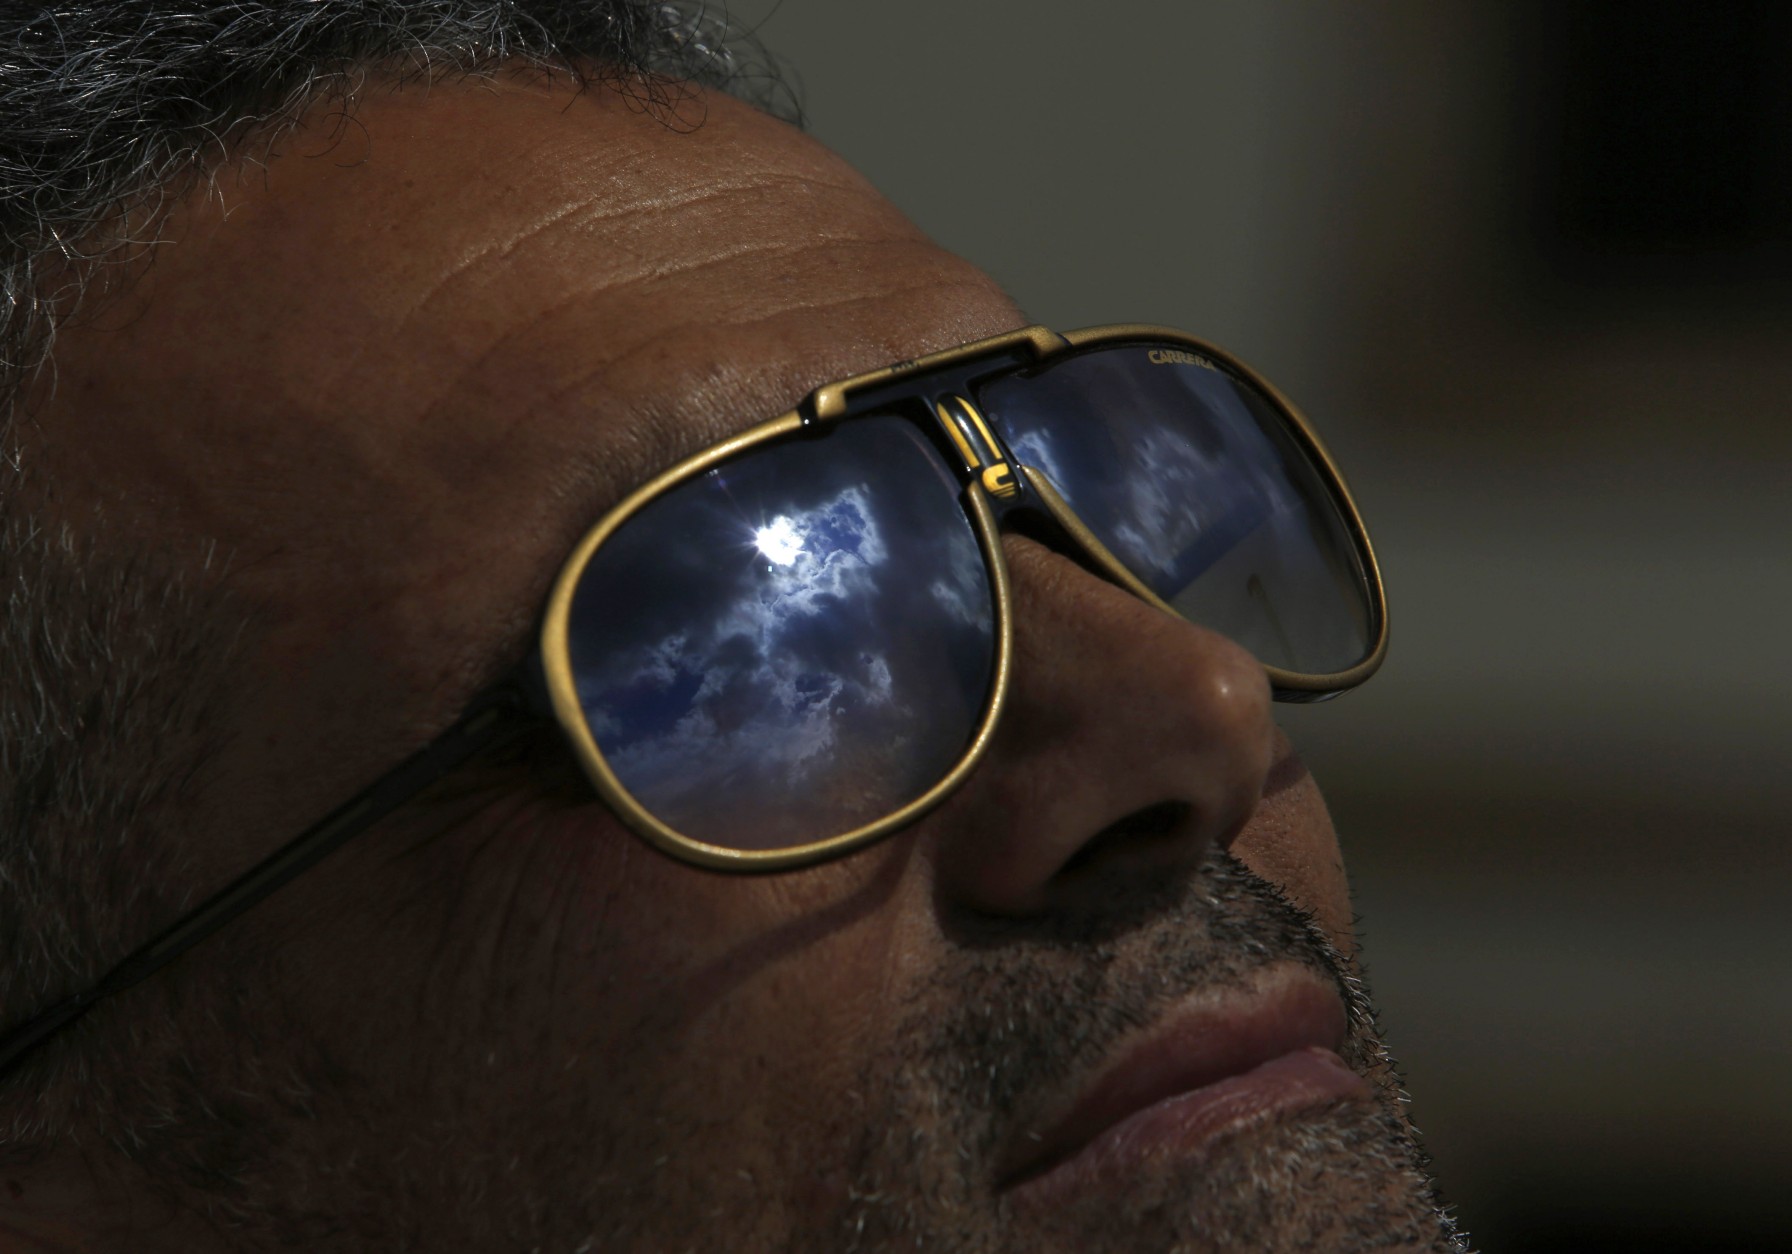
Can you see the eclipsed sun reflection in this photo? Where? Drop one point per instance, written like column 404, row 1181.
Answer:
column 780, row 541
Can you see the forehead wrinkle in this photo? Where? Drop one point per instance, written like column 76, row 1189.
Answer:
column 641, row 234
column 658, row 199
column 594, row 249
column 589, row 210
column 567, row 346
column 658, row 170
column 694, row 353
column 531, row 365
column 629, row 337
column 600, row 168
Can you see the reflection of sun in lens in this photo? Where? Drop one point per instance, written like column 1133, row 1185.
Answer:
column 779, row 541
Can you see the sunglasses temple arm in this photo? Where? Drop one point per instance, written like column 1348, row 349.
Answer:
column 492, row 719
column 1099, row 553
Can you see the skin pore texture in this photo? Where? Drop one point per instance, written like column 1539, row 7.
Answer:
column 393, row 372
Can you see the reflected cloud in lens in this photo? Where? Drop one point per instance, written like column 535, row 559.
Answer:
column 1193, row 481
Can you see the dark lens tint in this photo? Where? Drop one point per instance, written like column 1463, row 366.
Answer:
column 1193, row 480
column 792, row 645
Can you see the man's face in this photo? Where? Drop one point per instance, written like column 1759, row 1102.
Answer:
column 393, row 378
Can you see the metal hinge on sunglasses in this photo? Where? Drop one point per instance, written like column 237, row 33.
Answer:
column 977, row 445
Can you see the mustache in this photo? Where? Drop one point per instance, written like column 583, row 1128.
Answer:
column 1028, row 1005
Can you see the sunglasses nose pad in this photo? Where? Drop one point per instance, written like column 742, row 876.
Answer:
column 1041, row 513
column 1023, row 499
column 1026, row 518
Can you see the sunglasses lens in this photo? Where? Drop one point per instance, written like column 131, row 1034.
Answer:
column 791, row 645
column 1194, row 479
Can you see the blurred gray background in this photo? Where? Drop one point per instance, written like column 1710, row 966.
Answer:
column 1528, row 266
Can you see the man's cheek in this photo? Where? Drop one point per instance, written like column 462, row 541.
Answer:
column 689, row 953
column 1291, row 843
column 743, row 1009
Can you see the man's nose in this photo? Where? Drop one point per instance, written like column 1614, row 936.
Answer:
column 1132, row 741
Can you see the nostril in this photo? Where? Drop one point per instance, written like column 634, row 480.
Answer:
column 1149, row 825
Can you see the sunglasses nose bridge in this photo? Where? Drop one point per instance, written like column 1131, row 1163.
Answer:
column 985, row 457
column 1015, row 490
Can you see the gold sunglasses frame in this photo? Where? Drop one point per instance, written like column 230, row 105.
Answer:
column 834, row 403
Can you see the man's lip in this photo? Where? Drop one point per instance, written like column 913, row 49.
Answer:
column 1295, row 1024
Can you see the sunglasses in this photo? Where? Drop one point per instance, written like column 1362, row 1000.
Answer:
column 799, row 640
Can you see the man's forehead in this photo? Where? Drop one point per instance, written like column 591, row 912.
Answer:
column 464, row 288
